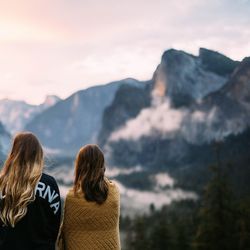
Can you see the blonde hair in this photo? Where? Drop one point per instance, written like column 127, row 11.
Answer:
column 19, row 177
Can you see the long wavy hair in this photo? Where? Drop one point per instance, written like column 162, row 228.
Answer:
column 89, row 174
column 19, row 177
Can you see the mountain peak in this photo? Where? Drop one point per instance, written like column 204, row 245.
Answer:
column 51, row 100
column 246, row 60
column 217, row 62
column 208, row 51
column 183, row 78
column 174, row 54
column 238, row 87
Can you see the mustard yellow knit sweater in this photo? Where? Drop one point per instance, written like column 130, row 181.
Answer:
column 89, row 226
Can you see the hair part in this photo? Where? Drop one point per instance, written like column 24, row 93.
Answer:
column 19, row 177
column 89, row 174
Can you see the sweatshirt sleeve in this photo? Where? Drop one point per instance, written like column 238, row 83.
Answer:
column 57, row 211
column 48, row 190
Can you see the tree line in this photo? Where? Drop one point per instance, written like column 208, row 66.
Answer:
column 219, row 220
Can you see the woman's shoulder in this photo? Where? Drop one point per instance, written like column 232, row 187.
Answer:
column 70, row 193
column 48, row 179
column 111, row 183
column 113, row 186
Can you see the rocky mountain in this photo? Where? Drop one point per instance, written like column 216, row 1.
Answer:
column 216, row 62
column 238, row 87
column 180, row 82
column 184, row 139
column 129, row 100
column 76, row 120
column 192, row 104
column 16, row 114
column 230, row 105
column 185, row 78
column 49, row 101
column 171, row 123
column 180, row 106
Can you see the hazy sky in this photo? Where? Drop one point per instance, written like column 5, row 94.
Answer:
column 60, row 46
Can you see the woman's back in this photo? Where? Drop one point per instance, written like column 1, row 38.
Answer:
column 30, row 201
column 38, row 229
column 89, row 225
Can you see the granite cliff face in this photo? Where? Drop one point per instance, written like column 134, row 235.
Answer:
column 180, row 78
column 231, row 104
column 216, row 62
column 128, row 102
column 185, row 78
column 192, row 101
column 238, row 87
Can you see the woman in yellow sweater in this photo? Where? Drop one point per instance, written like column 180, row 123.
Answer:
column 92, row 207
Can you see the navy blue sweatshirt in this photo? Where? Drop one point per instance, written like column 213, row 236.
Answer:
column 38, row 229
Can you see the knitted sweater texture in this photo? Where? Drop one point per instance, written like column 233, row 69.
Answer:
column 90, row 226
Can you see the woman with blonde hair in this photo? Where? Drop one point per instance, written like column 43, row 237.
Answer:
column 92, row 207
column 29, row 200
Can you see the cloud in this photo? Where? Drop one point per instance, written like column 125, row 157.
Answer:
column 133, row 200
column 162, row 180
column 215, row 124
column 114, row 171
column 195, row 126
column 157, row 119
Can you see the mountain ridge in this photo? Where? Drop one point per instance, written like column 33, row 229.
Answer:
column 15, row 114
column 77, row 118
column 185, row 80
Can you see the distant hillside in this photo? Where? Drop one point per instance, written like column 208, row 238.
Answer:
column 16, row 114
column 76, row 120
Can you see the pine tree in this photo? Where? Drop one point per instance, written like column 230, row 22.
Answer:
column 216, row 230
column 160, row 237
column 243, row 224
column 182, row 241
column 137, row 238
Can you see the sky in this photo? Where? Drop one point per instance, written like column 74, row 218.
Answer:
column 61, row 46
